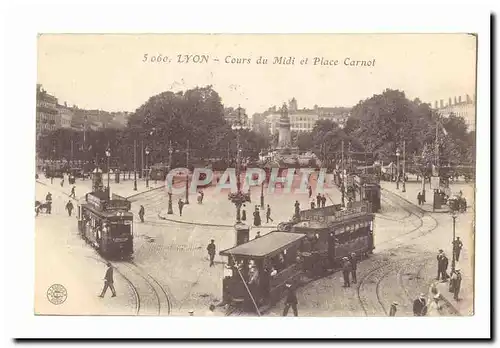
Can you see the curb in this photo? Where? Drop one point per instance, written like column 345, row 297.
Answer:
column 206, row 224
column 447, row 301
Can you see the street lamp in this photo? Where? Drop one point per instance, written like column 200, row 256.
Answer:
column 262, row 195
column 404, row 166
column 187, row 173
column 238, row 198
column 170, row 151
column 135, row 165
column 454, row 214
column 146, row 151
column 108, row 155
column 397, row 165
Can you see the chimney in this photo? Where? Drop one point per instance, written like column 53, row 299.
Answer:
column 449, row 101
column 459, row 98
column 455, row 101
column 441, row 103
column 468, row 99
column 435, row 104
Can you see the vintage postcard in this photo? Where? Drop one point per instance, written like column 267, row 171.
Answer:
column 309, row 175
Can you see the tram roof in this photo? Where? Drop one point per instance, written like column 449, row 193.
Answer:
column 106, row 213
column 265, row 245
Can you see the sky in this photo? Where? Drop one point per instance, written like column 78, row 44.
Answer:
column 108, row 72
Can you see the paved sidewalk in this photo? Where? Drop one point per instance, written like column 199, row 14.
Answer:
column 413, row 188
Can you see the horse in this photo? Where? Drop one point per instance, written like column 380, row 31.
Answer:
column 39, row 206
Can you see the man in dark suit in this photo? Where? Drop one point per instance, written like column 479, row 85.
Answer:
column 354, row 263
column 108, row 281
column 291, row 301
column 420, row 306
column 346, row 271
column 211, row 252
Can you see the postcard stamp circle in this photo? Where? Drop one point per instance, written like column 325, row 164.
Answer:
column 57, row 294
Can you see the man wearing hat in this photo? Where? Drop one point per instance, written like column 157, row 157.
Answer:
column 456, row 282
column 354, row 262
column 420, row 306
column 442, row 265
column 346, row 270
column 394, row 309
column 291, row 301
column 108, row 281
column 211, row 252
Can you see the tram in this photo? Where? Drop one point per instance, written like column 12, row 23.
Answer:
column 367, row 187
column 106, row 224
column 308, row 248
column 256, row 271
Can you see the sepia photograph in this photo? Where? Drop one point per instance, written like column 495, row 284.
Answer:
column 261, row 175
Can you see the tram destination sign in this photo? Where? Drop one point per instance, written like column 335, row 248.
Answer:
column 332, row 214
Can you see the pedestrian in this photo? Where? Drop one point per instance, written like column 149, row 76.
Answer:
column 256, row 218
column 346, row 270
column 291, row 301
column 457, row 248
column 62, row 182
column 181, row 205
column 394, row 309
column 323, row 201
column 318, row 200
column 297, row 208
column 419, row 198
column 268, row 214
column 51, row 180
column 72, row 194
column 354, row 263
column 243, row 213
column 310, row 191
column 420, row 306
column 442, row 265
column 49, row 207
column 141, row 213
column 48, row 198
column 456, row 281
column 312, row 205
column 257, row 235
column 211, row 310
column 211, row 252
column 434, row 308
column 69, row 207
column 108, row 281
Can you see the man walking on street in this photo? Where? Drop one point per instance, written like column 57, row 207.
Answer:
column 457, row 248
column 108, row 281
column 62, row 182
column 346, row 270
column 310, row 191
column 318, row 200
column 211, row 252
column 354, row 263
column 141, row 213
column 297, row 208
column 323, row 201
column 456, row 281
column 268, row 214
column 442, row 265
column 420, row 306
column 181, row 205
column 394, row 309
column 69, row 207
column 291, row 301
column 72, row 194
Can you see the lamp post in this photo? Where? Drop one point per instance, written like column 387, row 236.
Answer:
column 108, row 155
column 187, row 174
column 238, row 198
column 454, row 215
column 147, row 151
column 262, row 194
column 404, row 166
column 397, row 165
column 135, row 165
column 170, row 151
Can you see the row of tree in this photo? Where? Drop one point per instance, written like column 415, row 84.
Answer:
column 192, row 120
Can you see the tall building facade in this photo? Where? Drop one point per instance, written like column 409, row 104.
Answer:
column 303, row 120
column 65, row 115
column 47, row 115
column 464, row 106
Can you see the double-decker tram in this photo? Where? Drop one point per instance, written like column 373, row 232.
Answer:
column 107, row 224
column 310, row 247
